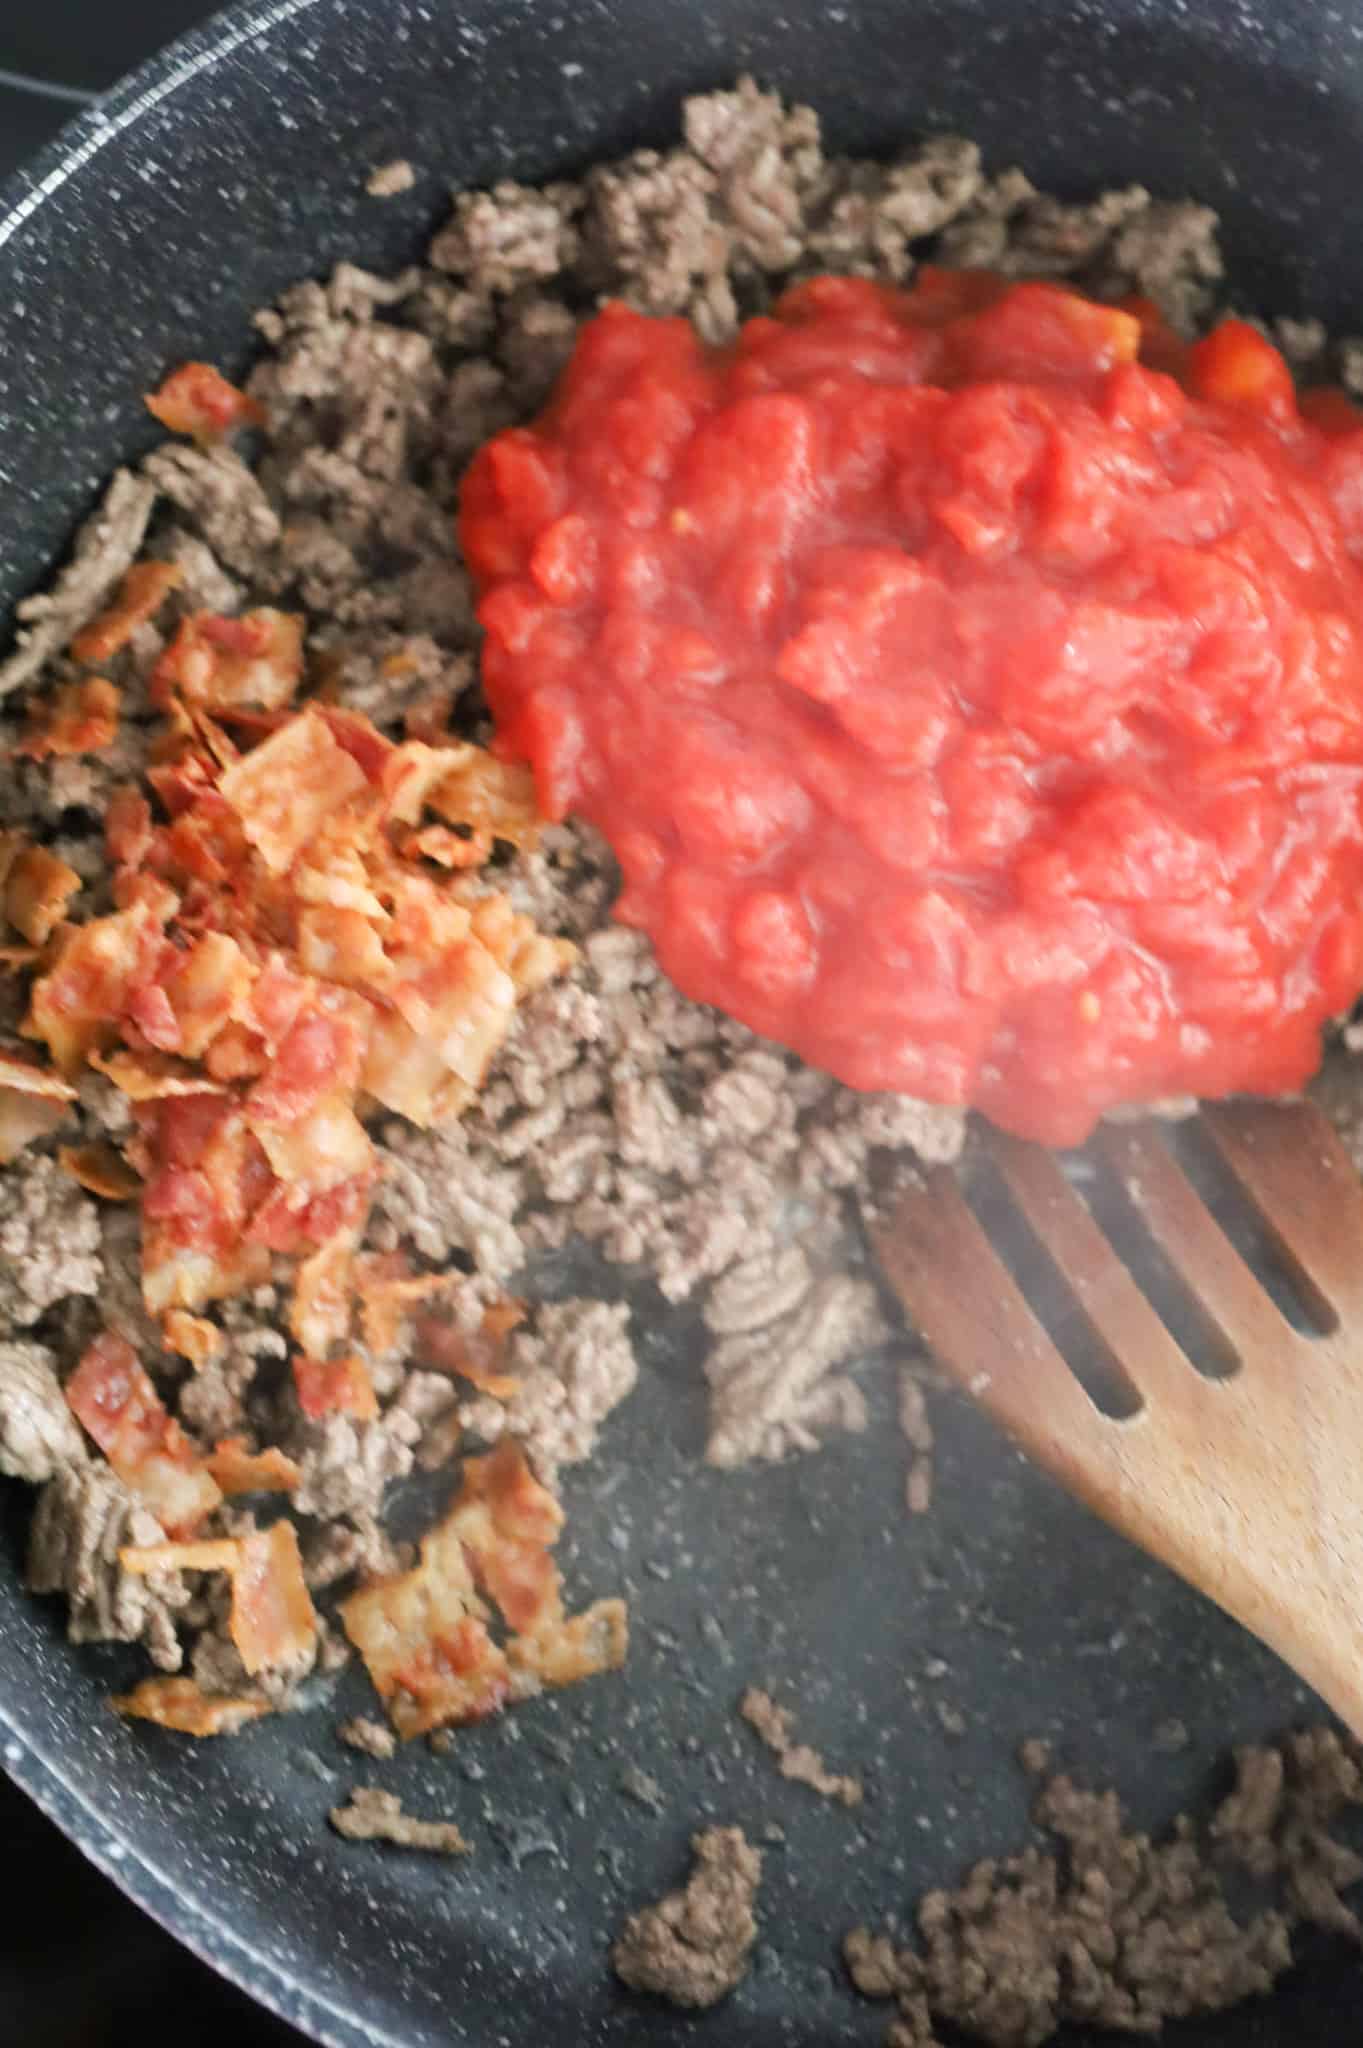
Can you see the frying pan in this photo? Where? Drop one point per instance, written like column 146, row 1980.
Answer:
column 920, row 1653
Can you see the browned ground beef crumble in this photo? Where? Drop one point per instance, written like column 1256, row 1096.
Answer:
column 619, row 1113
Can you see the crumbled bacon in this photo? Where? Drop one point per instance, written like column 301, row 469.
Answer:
column 239, row 1470
column 323, row 1291
column 76, row 1006
column 181, row 1705
column 35, row 887
column 34, row 1102
column 80, row 718
column 128, row 828
column 477, row 1356
column 272, row 1621
column 388, row 1291
column 112, row 1396
column 197, row 399
column 424, row 1634
column 253, row 662
column 138, row 598
column 196, row 1339
column 101, row 1168
column 284, row 789
column 335, row 1386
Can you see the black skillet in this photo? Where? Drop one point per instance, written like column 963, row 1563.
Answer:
column 922, row 1652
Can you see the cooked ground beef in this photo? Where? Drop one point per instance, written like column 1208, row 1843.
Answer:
column 1113, row 1930
column 692, row 1947
column 375, row 1816
column 619, row 1112
column 796, row 1760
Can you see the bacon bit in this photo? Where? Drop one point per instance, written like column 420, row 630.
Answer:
column 273, row 1621
column 101, row 1168
column 196, row 1339
column 152, row 1020
column 427, row 719
column 500, row 1318
column 197, row 399
column 320, row 1315
column 75, row 1006
column 210, row 1554
column 112, row 1396
column 439, row 844
column 423, row 1634
column 237, row 1470
column 138, row 598
column 284, row 789
column 252, row 662
column 496, row 798
column 343, row 946
column 181, row 1705
column 335, row 1386
column 152, row 1077
column 82, row 718
column 363, row 741
column 208, row 987
column 474, row 1355
column 128, row 830
column 37, row 889
column 321, row 1058
column 325, row 1149
column 26, row 1078
column 388, row 1290
column 24, row 1118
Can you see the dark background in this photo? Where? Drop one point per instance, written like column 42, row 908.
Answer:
column 79, row 1966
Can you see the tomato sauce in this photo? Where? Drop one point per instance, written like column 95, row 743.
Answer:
column 968, row 679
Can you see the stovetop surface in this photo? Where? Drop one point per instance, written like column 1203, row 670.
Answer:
column 80, row 1966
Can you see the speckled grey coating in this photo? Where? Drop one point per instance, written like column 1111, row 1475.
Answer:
column 230, row 166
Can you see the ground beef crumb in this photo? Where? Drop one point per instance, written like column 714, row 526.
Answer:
column 574, row 1367
column 373, row 1737
column 692, row 1947
column 1113, row 1930
column 375, row 1816
column 83, row 1518
column 49, row 1240
column 38, row 1432
column 386, row 181
column 104, row 548
column 796, row 1760
column 775, row 1388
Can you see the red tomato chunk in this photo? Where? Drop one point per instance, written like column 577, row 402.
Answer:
column 972, row 706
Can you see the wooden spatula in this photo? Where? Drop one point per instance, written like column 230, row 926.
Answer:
column 1251, row 1486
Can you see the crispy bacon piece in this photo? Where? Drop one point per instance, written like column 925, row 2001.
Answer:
column 152, row 1077
column 80, row 718
column 239, row 1470
column 206, row 988
column 112, row 1396
column 138, row 598
column 344, row 946
column 75, row 1007
column 35, row 887
column 102, row 1169
column 323, row 1291
column 251, row 662
column 284, row 789
column 272, row 1622
column 424, row 1633
column 388, row 1291
column 335, row 1386
column 475, row 1355
column 196, row 1339
column 180, row 1704
column 496, row 798
column 34, row 1102
column 128, row 830
column 197, row 399
column 272, row 1619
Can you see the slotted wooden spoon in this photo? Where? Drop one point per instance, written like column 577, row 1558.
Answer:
column 1250, row 1486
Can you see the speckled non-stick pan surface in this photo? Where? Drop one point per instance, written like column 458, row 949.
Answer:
column 922, row 1651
